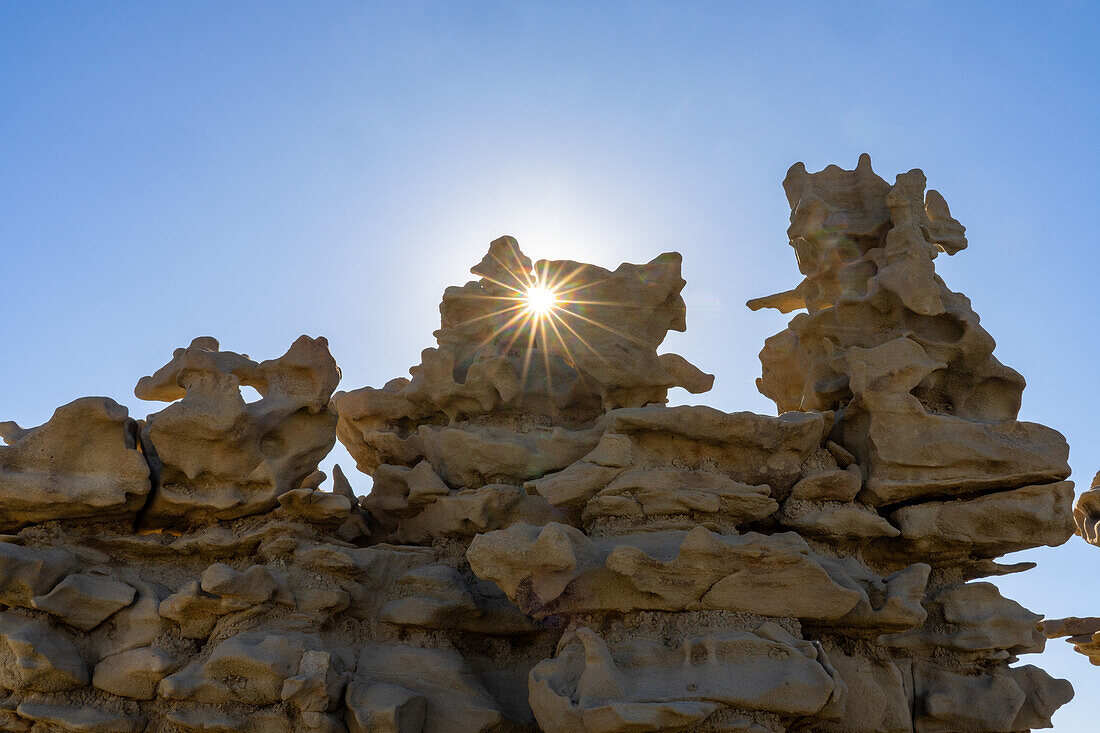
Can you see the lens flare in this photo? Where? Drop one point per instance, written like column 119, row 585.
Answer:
column 540, row 300
column 543, row 312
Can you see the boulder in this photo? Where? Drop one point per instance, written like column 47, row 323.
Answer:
column 36, row 657
column 135, row 673
column 86, row 600
column 82, row 464
column 646, row 685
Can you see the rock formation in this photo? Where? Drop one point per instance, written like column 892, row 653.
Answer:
column 547, row 545
column 1083, row 633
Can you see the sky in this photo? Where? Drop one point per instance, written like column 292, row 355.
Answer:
column 256, row 171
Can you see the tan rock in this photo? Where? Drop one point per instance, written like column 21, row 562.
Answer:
column 82, row 464
column 835, row 522
column 455, row 701
column 1010, row 700
column 136, row 625
column 891, row 603
column 27, row 572
column 640, row 494
column 467, row 513
column 877, row 699
column 987, row 526
column 1086, row 514
column 840, row 486
column 438, row 597
column 310, row 505
column 251, row 668
column 81, row 718
column 250, row 587
column 415, row 506
column 472, row 458
column 399, row 491
column 135, row 673
column 753, row 449
column 318, row 684
column 866, row 249
column 557, row 569
column 911, row 453
column 216, row 456
column 578, row 482
column 195, row 611
column 205, row 719
column 684, row 568
column 382, row 708
column 1055, row 628
column 37, row 657
column 1083, row 633
column 86, row 600
column 974, row 617
column 649, row 686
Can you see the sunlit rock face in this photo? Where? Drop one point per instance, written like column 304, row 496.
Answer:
column 547, row 545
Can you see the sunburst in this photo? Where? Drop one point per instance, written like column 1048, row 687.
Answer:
column 540, row 306
column 540, row 300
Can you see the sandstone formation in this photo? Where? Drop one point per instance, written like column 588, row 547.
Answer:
column 546, row 544
column 1083, row 633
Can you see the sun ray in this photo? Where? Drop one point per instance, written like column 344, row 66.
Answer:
column 564, row 345
column 580, row 287
column 502, row 328
column 494, row 314
column 559, row 284
column 527, row 359
column 505, row 285
column 611, row 303
column 542, row 310
column 525, row 281
column 580, row 338
column 541, row 300
column 546, row 357
column 606, row 328
column 553, row 321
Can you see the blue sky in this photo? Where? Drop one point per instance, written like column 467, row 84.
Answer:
column 258, row 171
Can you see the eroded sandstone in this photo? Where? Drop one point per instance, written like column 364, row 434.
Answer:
column 1083, row 633
column 546, row 544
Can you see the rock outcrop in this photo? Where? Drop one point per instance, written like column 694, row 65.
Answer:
column 1083, row 633
column 547, row 545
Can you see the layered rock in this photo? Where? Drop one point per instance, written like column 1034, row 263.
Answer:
column 1083, row 633
column 547, row 545
column 83, row 463
column 216, row 456
column 920, row 404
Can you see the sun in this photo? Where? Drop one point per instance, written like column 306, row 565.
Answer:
column 540, row 300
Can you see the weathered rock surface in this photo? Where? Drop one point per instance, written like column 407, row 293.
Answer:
column 651, row 685
column 912, row 453
column 990, row 525
column 1083, row 633
column 86, row 600
column 1087, row 513
column 557, row 569
column 37, row 657
column 454, row 700
column 83, row 463
column 27, row 572
column 548, row 546
column 135, row 673
column 215, row 456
